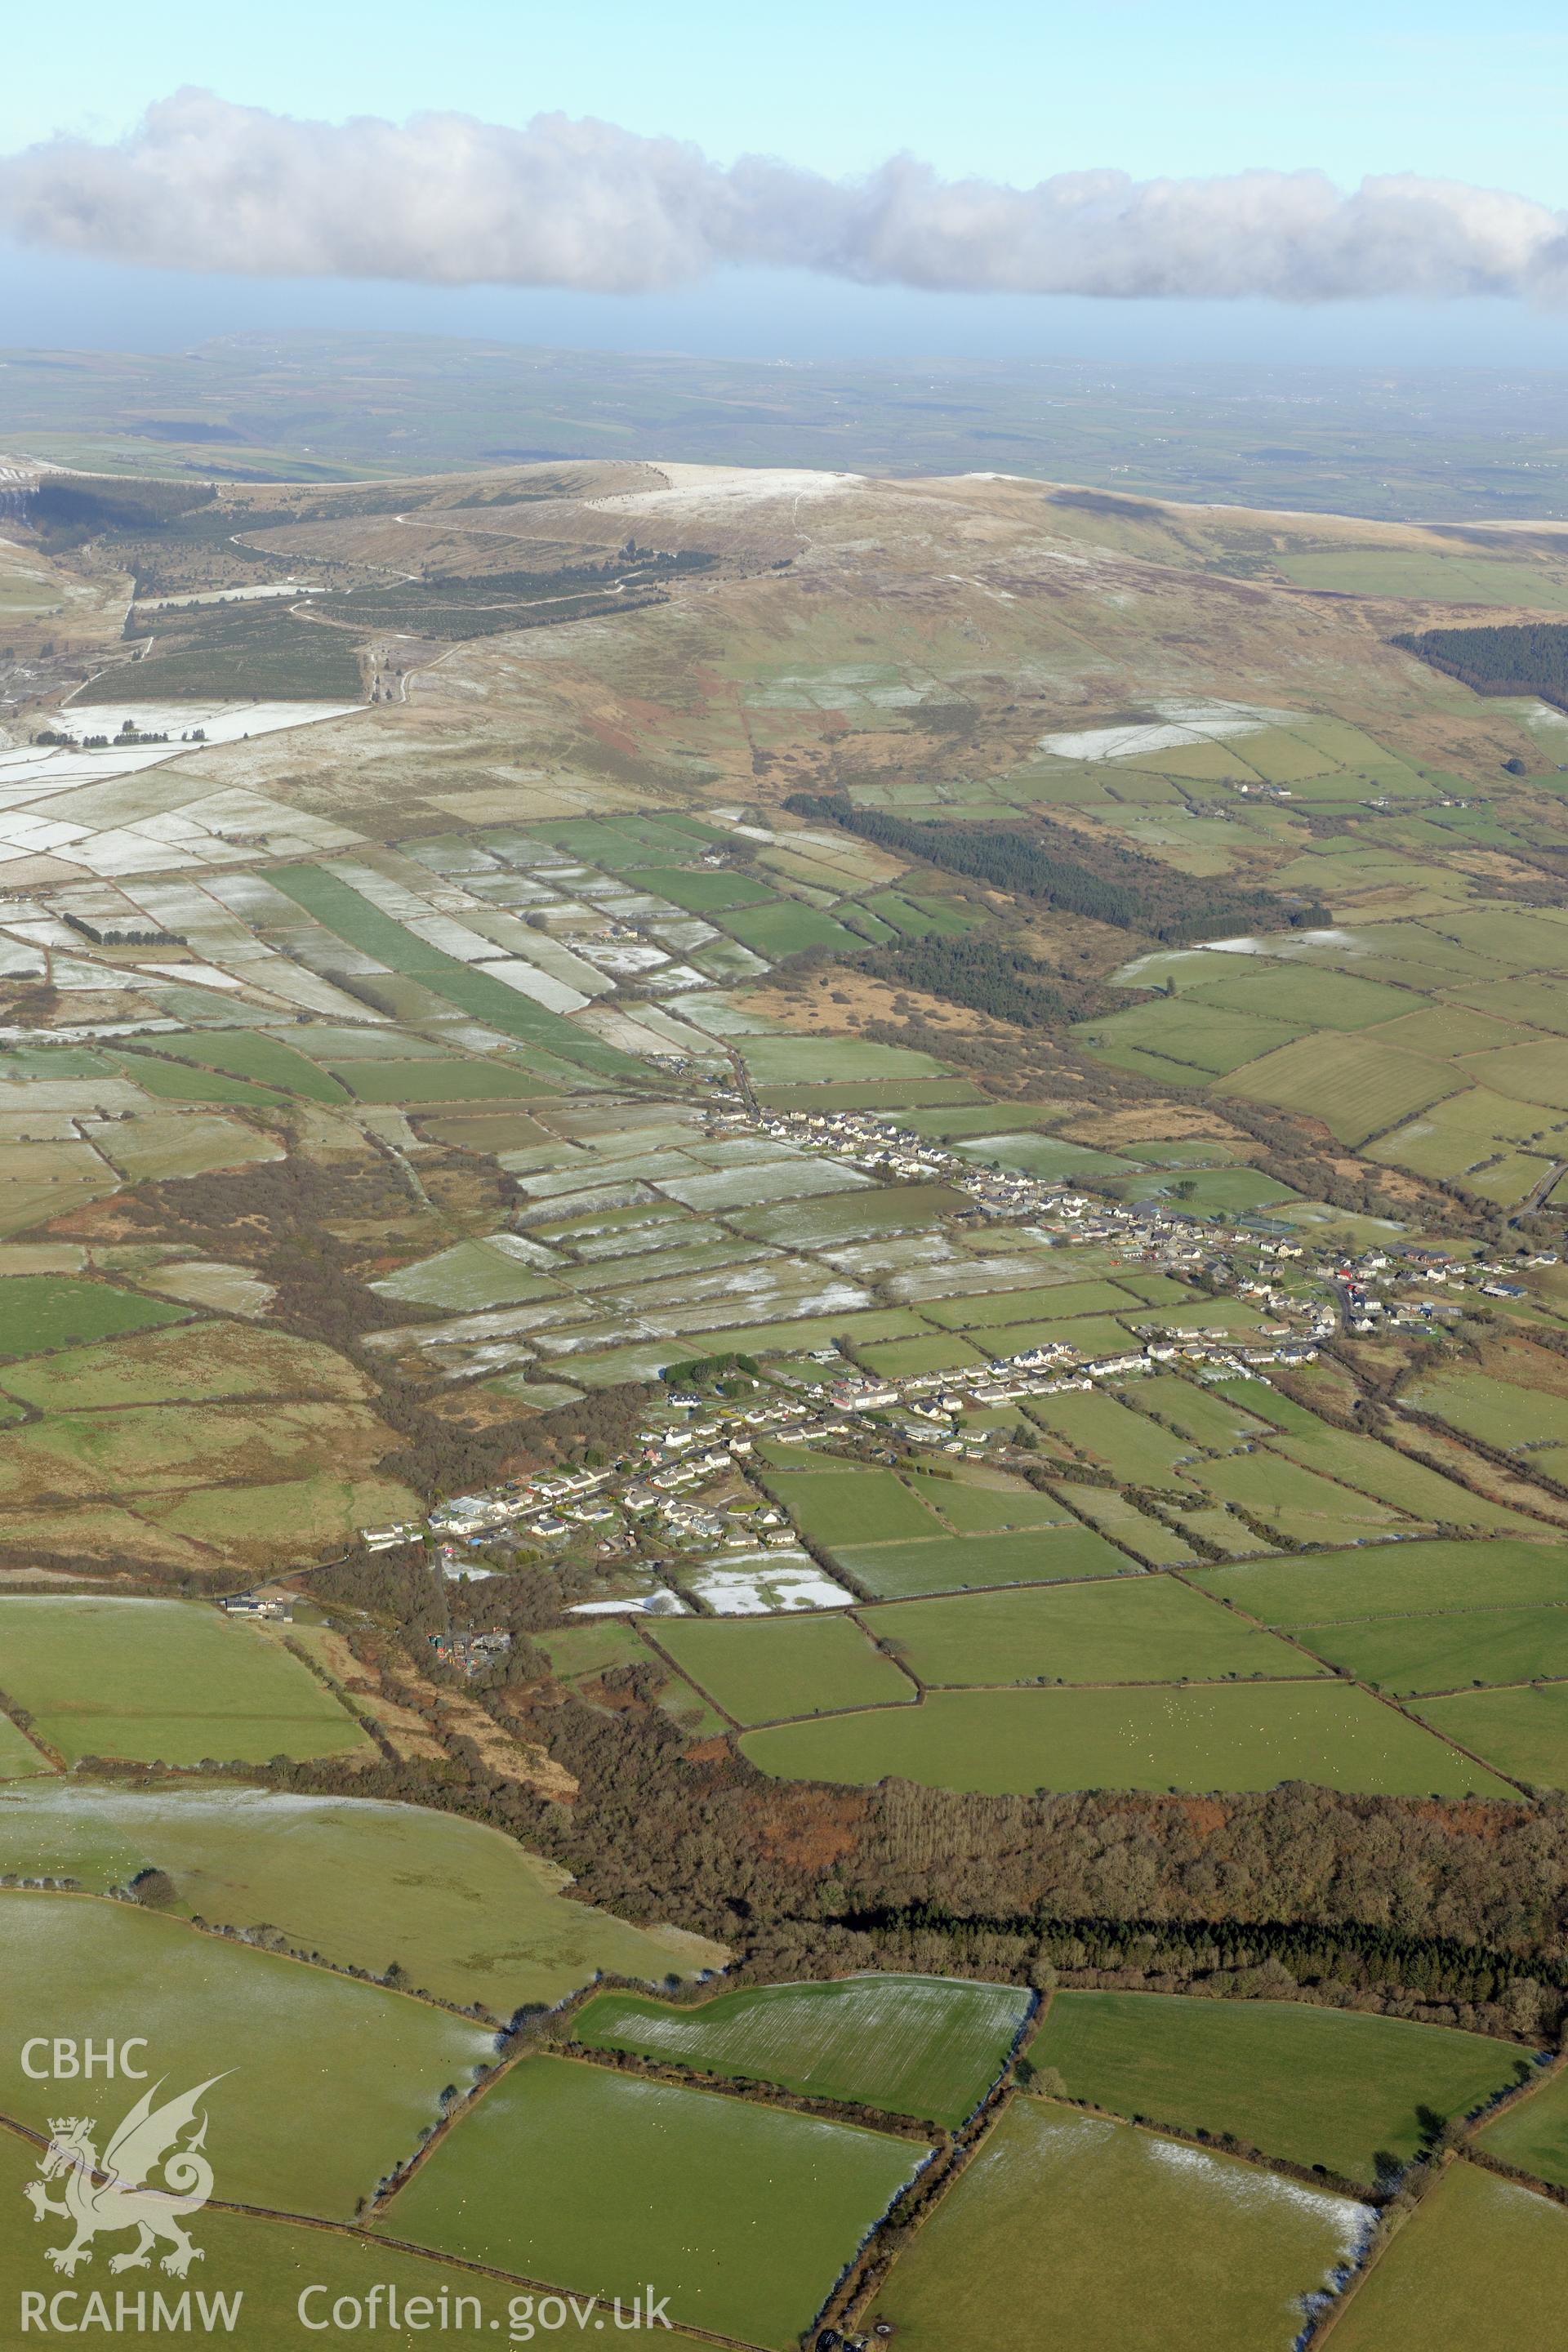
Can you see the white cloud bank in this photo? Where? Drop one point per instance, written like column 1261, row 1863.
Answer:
column 444, row 199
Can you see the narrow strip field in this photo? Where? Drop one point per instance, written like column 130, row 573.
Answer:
column 1151, row 1629
column 1219, row 1736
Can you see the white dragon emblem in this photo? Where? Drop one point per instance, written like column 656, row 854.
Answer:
column 111, row 2195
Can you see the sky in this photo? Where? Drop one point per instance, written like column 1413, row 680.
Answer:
column 1010, row 93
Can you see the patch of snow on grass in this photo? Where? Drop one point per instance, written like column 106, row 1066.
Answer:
column 699, row 488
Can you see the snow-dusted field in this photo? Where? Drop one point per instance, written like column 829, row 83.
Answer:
column 766, row 1584
column 715, row 490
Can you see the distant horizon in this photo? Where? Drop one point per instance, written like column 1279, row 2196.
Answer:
column 1195, row 365
column 70, row 303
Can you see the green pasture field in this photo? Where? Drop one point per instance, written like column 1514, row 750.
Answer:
column 1061, row 1301
column 1428, row 577
column 786, row 929
column 1507, row 1180
column 743, row 2214
column 1394, row 1580
column 250, row 1054
column 1044, row 1156
column 1503, row 1414
column 1233, row 1315
column 1134, row 2243
column 591, row 1645
column 1534, row 1072
column 331, row 1042
column 1306, row 995
column 451, row 1081
column 1096, row 1334
column 626, row 839
column 1234, row 1540
column 1451, row 1137
column 1215, row 1736
column 1517, row 939
column 1524, row 1732
column 19, row 1760
column 769, row 1670
column 778, row 1058
column 908, row 1358
column 1149, row 1539
column 928, row 2047
column 974, row 1510
column 1150, row 1631
column 468, row 1274
column 269, row 2264
column 705, row 890
column 1299, row 1503
column 486, row 1132
column 184, row 1082
column 1131, row 1445
column 344, row 910
column 466, row 1913
column 897, row 1572
column 1534, row 2133
column 1392, row 1477
column 203, row 1363
column 1358, row 1088
column 328, row 2082
column 1477, row 2268
column 835, row 1508
column 915, row 918
column 1159, row 1289
column 42, row 1311
column 1211, row 1191
column 989, row 1119
column 1543, row 1001
column 1322, row 2087
column 932, row 1098
column 168, row 1680
column 1449, row 1652
column 1446, row 1031
column 1209, row 1038
column 1208, row 1418
column 1174, row 1152
column 1140, row 1061
column 1255, row 1396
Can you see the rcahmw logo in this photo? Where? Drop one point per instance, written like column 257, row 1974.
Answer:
column 152, row 2177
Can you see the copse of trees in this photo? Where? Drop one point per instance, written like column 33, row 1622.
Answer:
column 1531, row 658
column 1118, row 887
column 702, row 1371
column 979, row 973
column 67, row 508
